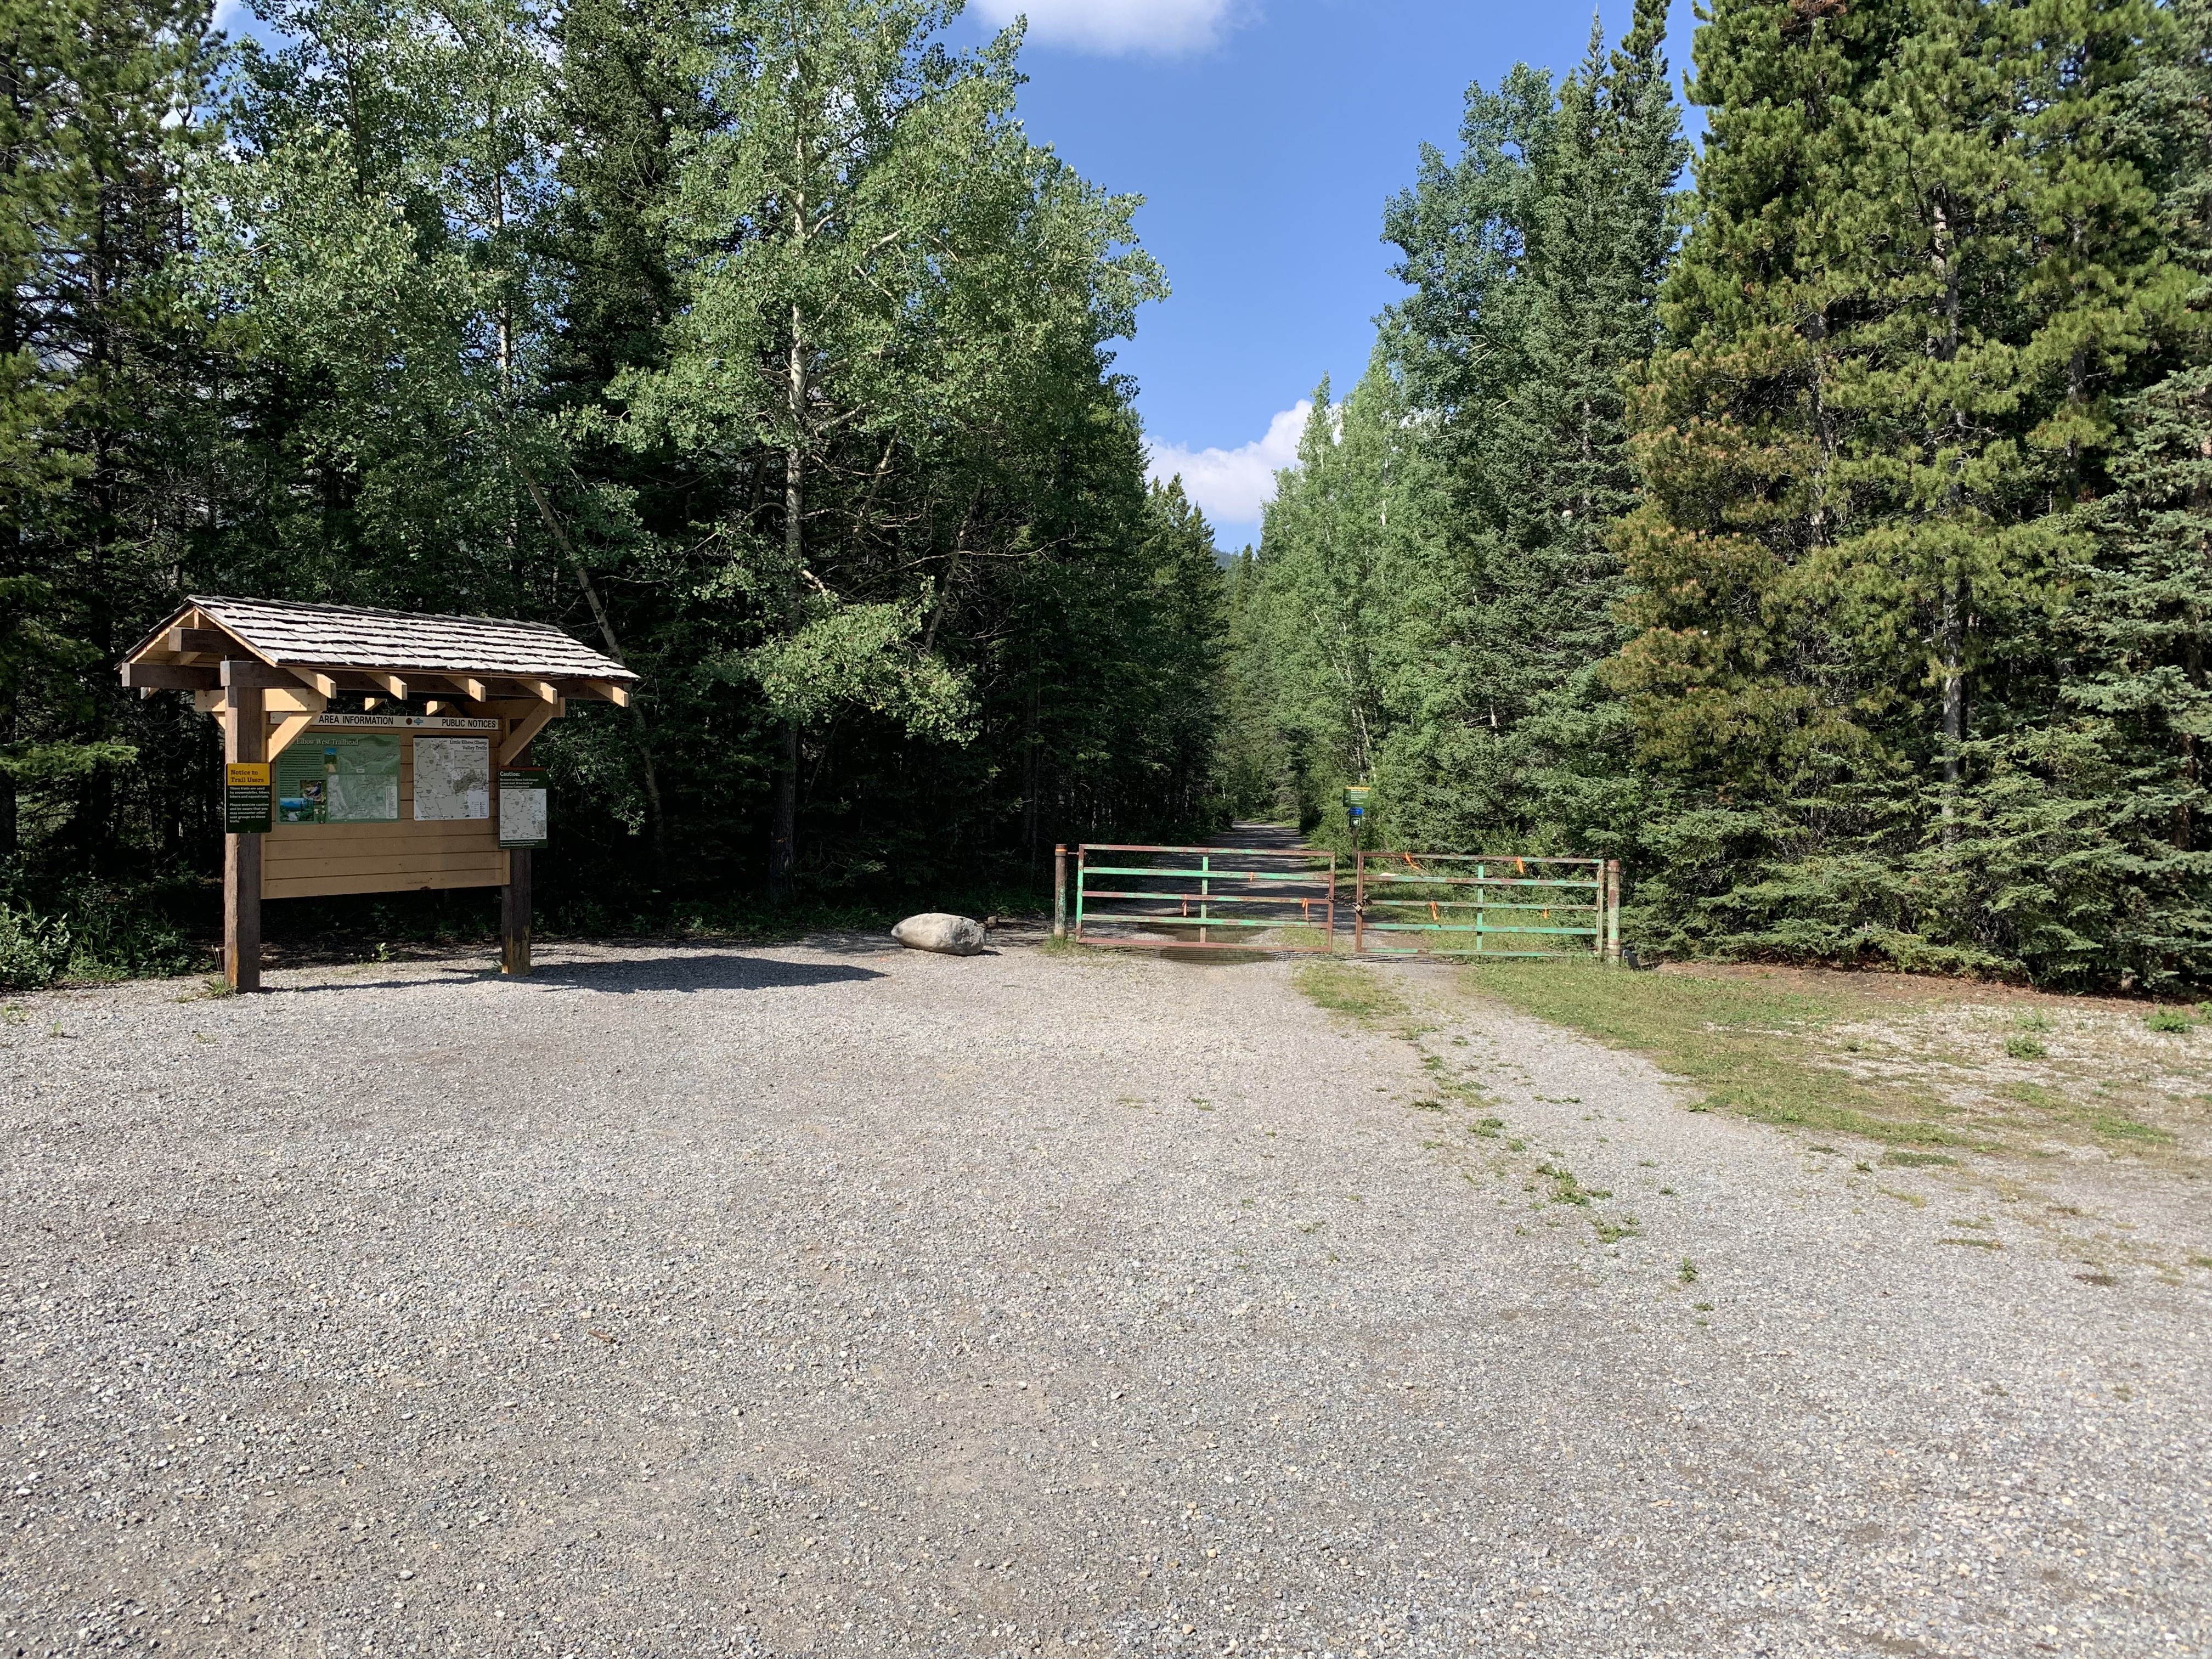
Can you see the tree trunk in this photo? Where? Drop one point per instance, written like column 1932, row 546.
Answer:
column 1954, row 707
column 9, row 842
column 2192, row 653
column 656, row 826
column 1944, row 346
column 783, row 827
column 1032, row 772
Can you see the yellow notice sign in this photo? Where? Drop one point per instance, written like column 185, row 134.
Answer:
column 248, row 798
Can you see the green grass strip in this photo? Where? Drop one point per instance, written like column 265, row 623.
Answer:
column 1750, row 1048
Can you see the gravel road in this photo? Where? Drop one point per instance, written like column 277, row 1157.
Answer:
column 830, row 1299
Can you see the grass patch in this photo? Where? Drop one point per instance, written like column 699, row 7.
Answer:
column 1345, row 987
column 2100, row 1121
column 2170, row 1020
column 2026, row 1047
column 1566, row 1188
column 1752, row 1049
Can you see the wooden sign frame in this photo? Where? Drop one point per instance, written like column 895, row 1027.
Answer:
column 269, row 671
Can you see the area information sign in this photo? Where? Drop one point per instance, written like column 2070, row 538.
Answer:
column 339, row 777
column 246, row 798
column 411, row 722
column 522, row 806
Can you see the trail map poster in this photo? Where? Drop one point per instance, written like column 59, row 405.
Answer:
column 522, row 806
column 339, row 777
column 452, row 778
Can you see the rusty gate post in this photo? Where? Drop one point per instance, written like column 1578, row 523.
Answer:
column 1610, row 922
column 1359, row 900
column 1060, row 889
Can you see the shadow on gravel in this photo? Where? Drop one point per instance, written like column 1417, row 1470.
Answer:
column 883, row 945
column 688, row 973
column 703, row 973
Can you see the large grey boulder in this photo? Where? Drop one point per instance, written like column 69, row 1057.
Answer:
column 937, row 930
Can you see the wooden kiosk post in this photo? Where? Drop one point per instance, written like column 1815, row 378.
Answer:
column 514, row 913
column 245, row 740
column 406, row 725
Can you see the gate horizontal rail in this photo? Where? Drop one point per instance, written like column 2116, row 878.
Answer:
column 1417, row 904
column 1271, row 890
column 1549, row 905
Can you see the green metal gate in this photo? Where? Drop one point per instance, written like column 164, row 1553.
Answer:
column 1227, row 898
column 1486, row 904
column 1195, row 895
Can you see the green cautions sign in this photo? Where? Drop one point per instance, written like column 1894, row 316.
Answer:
column 522, row 806
column 339, row 777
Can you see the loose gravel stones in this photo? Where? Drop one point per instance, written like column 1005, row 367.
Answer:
column 839, row 1300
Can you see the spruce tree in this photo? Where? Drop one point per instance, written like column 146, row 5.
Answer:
column 1926, row 261
column 99, row 462
column 2139, row 632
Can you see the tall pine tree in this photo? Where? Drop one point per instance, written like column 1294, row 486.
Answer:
column 1927, row 260
column 2140, row 630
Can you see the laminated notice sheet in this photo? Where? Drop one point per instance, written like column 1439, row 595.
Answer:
column 452, row 778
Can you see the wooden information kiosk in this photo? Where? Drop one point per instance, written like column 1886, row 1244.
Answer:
column 372, row 751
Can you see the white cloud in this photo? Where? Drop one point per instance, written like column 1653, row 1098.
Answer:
column 1165, row 26
column 1231, row 485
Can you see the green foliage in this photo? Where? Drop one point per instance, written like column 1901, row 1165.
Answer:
column 495, row 308
column 1895, row 364
column 859, row 655
column 1840, row 569
column 99, row 107
column 32, row 951
column 1431, row 595
column 77, row 928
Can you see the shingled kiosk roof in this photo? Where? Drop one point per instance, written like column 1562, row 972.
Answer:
column 341, row 637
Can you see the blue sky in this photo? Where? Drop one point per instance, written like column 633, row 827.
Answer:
column 1266, row 136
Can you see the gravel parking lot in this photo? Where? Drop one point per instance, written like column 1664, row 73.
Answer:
column 831, row 1299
